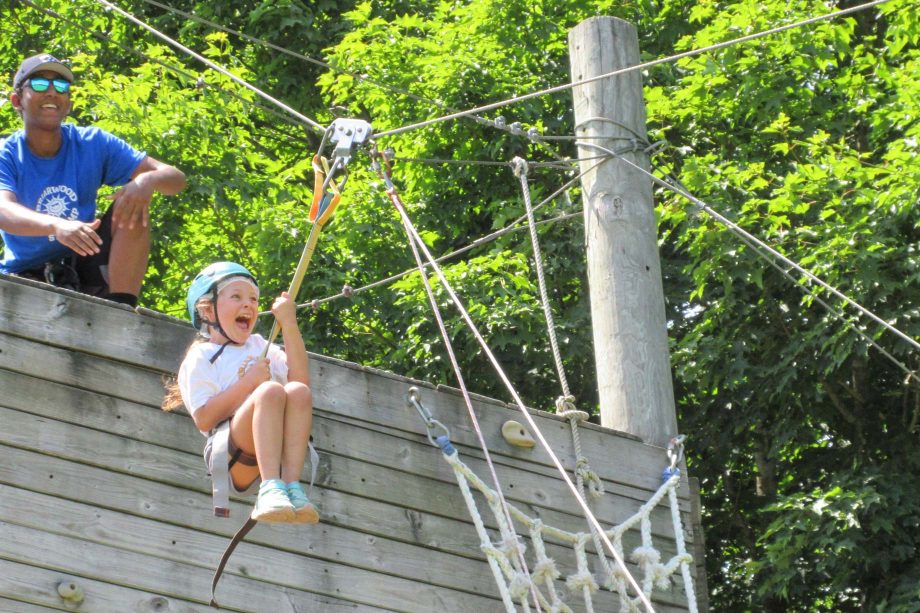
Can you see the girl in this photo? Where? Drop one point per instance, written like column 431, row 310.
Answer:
column 256, row 412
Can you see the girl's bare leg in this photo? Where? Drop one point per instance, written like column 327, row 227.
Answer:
column 257, row 429
column 298, row 421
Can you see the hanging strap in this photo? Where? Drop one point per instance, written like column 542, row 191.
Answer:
column 239, row 536
column 219, row 468
column 250, row 524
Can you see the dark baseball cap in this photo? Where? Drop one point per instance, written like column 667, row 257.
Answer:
column 38, row 63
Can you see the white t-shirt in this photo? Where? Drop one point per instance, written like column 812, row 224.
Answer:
column 199, row 380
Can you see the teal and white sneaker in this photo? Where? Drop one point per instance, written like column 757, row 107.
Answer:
column 304, row 511
column 273, row 504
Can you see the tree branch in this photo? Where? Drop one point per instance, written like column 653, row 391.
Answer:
column 838, row 402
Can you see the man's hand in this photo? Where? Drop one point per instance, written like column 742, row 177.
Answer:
column 79, row 236
column 131, row 203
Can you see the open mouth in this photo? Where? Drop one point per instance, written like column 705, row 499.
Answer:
column 244, row 322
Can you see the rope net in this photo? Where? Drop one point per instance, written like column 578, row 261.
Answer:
column 516, row 586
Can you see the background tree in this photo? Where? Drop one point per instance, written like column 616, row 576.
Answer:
column 805, row 440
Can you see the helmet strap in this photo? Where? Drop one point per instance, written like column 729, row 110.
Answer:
column 218, row 352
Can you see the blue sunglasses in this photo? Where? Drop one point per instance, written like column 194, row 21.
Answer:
column 41, row 84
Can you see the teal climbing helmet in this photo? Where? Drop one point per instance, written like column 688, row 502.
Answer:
column 206, row 283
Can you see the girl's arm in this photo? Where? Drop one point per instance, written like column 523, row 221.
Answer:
column 284, row 310
column 224, row 404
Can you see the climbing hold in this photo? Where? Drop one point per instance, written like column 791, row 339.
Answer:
column 517, row 435
column 70, row 591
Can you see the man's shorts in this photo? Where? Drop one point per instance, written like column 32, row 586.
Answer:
column 88, row 274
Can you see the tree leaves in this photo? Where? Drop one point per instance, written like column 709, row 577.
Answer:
column 803, row 437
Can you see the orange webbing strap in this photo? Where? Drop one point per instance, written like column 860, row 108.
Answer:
column 325, row 199
column 239, row 536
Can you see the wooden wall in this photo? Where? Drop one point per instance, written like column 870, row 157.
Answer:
column 100, row 488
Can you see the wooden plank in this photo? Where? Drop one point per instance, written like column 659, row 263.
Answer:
column 81, row 370
column 159, row 343
column 381, row 398
column 147, row 496
column 413, row 491
column 17, row 606
column 166, row 429
column 374, row 414
column 698, row 548
column 93, row 326
column 32, row 395
column 129, row 494
column 122, row 531
column 168, row 578
column 562, row 492
column 527, row 482
column 38, row 586
column 189, row 543
column 529, row 489
column 432, row 487
column 164, row 543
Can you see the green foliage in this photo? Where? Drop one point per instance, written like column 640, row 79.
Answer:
column 801, row 139
column 803, row 437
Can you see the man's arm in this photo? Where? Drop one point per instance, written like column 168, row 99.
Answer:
column 23, row 221
column 132, row 202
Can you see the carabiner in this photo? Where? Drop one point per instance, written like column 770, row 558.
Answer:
column 430, row 422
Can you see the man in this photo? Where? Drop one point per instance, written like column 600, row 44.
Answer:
column 50, row 173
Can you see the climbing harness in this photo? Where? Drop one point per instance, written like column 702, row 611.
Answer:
column 514, row 585
column 345, row 135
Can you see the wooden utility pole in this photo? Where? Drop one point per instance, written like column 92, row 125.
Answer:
column 624, row 273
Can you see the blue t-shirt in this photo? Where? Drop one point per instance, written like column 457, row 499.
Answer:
column 64, row 185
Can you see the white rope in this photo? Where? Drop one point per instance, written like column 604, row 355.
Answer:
column 414, row 244
column 565, row 404
column 520, row 168
column 484, row 542
column 685, row 558
column 458, row 304
column 656, row 575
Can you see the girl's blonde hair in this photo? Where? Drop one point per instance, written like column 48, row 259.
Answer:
column 172, row 400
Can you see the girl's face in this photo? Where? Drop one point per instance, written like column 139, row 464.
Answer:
column 237, row 310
